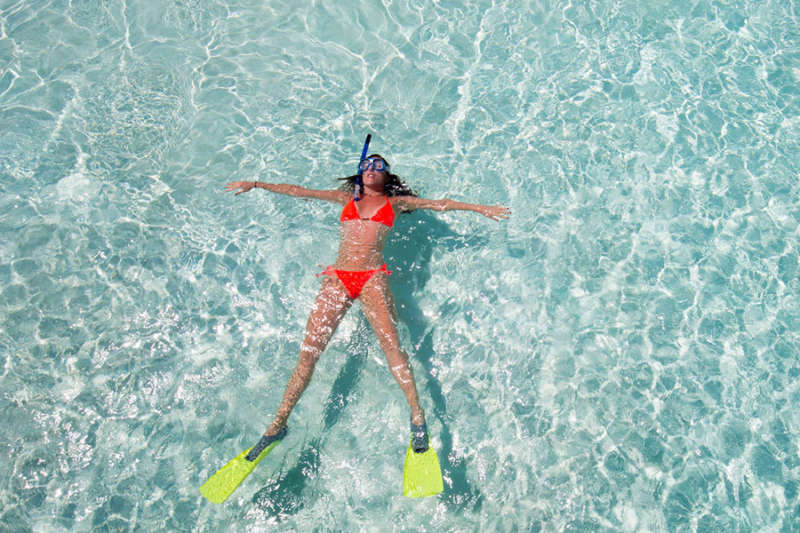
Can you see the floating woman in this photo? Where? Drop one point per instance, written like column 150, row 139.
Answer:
column 360, row 272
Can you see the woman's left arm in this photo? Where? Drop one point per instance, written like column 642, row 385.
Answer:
column 495, row 212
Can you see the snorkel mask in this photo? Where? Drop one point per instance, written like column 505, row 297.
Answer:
column 375, row 163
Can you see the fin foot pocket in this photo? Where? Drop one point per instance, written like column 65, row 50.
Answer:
column 265, row 441
column 419, row 437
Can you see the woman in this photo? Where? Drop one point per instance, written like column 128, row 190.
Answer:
column 359, row 272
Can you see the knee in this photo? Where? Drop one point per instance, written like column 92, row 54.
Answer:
column 394, row 355
column 390, row 345
column 309, row 355
column 402, row 371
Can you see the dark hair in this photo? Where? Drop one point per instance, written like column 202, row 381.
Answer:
column 394, row 186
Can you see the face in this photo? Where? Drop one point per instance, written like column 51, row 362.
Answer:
column 372, row 176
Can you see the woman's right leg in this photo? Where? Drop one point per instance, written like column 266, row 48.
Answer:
column 331, row 305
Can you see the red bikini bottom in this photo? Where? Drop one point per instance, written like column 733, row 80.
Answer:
column 354, row 280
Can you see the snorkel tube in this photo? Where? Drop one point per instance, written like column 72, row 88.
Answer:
column 359, row 183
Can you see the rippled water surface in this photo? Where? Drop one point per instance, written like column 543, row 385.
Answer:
column 620, row 355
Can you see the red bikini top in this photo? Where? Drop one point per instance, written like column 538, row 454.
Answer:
column 384, row 215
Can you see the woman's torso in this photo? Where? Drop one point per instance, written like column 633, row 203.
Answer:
column 364, row 235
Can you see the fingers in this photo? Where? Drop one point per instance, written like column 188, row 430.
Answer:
column 498, row 212
column 243, row 185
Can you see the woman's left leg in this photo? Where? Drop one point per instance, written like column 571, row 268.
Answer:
column 378, row 306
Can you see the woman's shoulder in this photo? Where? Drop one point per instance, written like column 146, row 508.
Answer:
column 404, row 202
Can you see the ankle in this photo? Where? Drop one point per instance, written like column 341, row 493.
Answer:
column 273, row 429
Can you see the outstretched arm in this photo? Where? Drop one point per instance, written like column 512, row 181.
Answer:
column 495, row 212
column 289, row 190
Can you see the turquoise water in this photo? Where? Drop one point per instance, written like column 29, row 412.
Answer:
column 620, row 355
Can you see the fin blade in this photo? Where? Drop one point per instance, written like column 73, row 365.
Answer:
column 221, row 485
column 422, row 475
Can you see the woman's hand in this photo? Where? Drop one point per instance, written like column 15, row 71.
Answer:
column 495, row 212
column 244, row 185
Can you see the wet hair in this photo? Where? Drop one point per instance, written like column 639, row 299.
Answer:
column 394, row 186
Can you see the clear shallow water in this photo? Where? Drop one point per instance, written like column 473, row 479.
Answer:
column 621, row 355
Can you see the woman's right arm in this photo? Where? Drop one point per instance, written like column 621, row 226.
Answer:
column 337, row 196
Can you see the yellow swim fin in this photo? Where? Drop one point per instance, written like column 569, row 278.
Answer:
column 422, row 475
column 222, row 484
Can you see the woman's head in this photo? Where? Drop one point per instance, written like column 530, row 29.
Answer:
column 377, row 166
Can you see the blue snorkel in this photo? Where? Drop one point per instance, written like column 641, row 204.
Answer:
column 359, row 183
